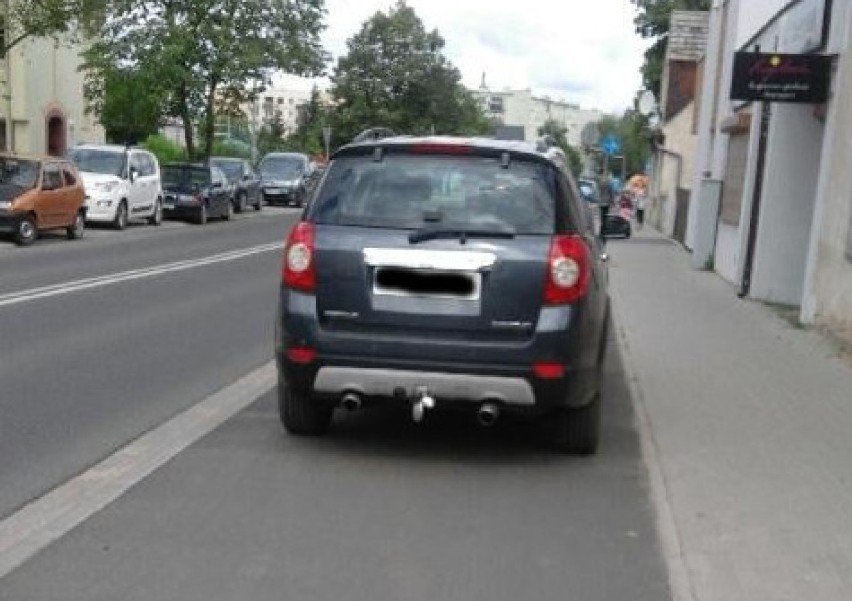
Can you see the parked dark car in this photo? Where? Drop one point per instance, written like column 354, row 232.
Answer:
column 195, row 191
column 244, row 182
column 283, row 178
column 616, row 226
column 444, row 273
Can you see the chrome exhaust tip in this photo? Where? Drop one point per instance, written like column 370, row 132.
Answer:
column 488, row 414
column 351, row 401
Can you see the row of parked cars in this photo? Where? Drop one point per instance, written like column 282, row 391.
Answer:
column 113, row 185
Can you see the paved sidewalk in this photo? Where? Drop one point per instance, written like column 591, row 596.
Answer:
column 750, row 419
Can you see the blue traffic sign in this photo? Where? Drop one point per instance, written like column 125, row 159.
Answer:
column 611, row 144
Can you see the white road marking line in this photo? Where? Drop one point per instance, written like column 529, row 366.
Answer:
column 13, row 298
column 45, row 520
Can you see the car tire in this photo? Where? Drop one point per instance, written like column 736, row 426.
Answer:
column 156, row 217
column 75, row 230
column 240, row 205
column 576, row 430
column 201, row 218
column 299, row 414
column 26, row 231
column 229, row 212
column 120, row 221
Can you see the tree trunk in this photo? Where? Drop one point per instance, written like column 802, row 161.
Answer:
column 210, row 120
column 188, row 134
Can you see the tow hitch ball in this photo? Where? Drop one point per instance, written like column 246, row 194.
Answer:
column 423, row 401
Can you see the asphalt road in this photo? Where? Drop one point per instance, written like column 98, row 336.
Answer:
column 87, row 371
column 380, row 509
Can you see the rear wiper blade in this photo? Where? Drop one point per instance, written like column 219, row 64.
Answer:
column 424, row 234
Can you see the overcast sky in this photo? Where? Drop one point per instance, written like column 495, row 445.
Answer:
column 583, row 51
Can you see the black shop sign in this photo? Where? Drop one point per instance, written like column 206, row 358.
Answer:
column 781, row 77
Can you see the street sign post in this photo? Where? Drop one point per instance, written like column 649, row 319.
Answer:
column 611, row 145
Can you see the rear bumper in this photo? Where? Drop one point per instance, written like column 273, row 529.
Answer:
column 454, row 371
column 387, row 383
column 282, row 196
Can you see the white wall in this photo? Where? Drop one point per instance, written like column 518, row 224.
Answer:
column 828, row 296
column 727, row 256
column 753, row 15
column 45, row 76
column 787, row 204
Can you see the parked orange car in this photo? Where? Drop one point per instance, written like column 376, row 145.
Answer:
column 40, row 193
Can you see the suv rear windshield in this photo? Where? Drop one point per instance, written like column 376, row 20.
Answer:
column 408, row 191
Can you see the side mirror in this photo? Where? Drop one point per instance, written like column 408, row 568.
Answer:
column 133, row 175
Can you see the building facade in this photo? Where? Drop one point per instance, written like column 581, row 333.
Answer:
column 41, row 91
column 520, row 108
column 772, row 207
column 673, row 157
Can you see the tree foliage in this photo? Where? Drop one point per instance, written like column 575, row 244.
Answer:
column 308, row 135
column 395, row 75
column 631, row 129
column 206, row 52
column 130, row 105
column 652, row 22
column 41, row 18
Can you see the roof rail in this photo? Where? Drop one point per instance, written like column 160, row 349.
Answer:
column 374, row 133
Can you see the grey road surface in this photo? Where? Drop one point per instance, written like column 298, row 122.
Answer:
column 85, row 372
column 382, row 509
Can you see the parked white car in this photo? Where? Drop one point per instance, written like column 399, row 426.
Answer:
column 121, row 184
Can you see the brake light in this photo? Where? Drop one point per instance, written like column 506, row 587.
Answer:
column 303, row 355
column 549, row 371
column 298, row 271
column 568, row 270
column 441, row 148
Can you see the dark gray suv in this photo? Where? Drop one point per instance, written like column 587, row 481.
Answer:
column 445, row 272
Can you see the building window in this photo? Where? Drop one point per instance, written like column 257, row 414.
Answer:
column 495, row 104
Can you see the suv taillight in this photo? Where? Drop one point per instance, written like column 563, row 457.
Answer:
column 568, row 270
column 298, row 271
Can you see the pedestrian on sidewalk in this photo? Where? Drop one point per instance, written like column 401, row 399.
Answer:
column 641, row 199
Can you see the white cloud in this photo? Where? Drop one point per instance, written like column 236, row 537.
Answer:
column 583, row 51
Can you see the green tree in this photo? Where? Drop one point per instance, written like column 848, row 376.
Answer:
column 208, row 51
column 652, row 22
column 313, row 116
column 130, row 105
column 559, row 133
column 395, row 75
column 24, row 19
column 631, row 129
